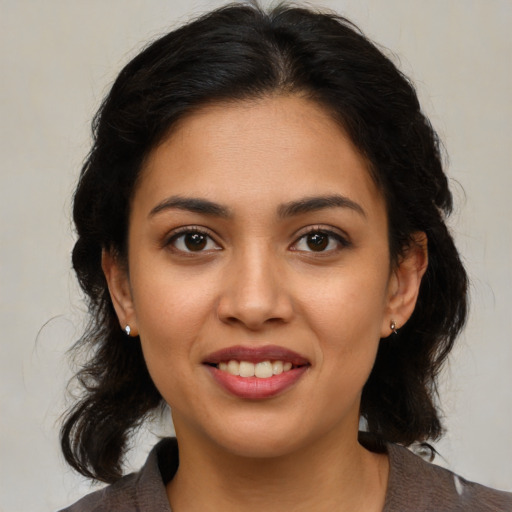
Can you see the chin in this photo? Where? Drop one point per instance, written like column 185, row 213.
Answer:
column 256, row 444
column 257, row 436
column 266, row 436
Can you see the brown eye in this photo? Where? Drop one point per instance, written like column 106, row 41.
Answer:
column 195, row 241
column 321, row 241
column 317, row 241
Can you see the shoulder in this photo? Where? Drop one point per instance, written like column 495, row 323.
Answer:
column 416, row 485
column 118, row 496
column 144, row 490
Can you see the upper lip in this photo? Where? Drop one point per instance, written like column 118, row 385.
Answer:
column 256, row 355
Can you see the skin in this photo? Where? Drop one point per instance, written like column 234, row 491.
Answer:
column 258, row 282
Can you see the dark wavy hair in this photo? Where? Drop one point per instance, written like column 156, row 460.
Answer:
column 241, row 52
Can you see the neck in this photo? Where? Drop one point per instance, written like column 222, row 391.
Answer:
column 333, row 474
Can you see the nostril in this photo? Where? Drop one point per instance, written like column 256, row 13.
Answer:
column 253, row 306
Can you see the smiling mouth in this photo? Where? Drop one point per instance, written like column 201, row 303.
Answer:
column 257, row 362
column 256, row 372
column 261, row 370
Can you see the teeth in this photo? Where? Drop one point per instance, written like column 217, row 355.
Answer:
column 246, row 369
column 233, row 368
column 262, row 370
column 277, row 367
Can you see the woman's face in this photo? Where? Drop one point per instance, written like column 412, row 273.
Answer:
column 258, row 241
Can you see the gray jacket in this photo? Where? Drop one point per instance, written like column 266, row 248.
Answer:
column 414, row 486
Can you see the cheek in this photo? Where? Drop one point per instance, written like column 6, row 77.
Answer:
column 171, row 316
column 346, row 315
column 347, row 306
column 171, row 304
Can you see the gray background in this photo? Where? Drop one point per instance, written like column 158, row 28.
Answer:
column 58, row 58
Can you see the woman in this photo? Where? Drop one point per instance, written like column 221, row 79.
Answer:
column 261, row 235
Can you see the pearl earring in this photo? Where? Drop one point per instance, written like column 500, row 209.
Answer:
column 127, row 330
column 392, row 326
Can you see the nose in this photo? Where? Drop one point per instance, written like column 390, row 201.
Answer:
column 255, row 291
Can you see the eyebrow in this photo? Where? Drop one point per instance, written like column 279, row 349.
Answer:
column 315, row 203
column 191, row 204
column 293, row 208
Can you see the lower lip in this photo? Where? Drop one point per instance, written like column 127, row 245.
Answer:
column 255, row 388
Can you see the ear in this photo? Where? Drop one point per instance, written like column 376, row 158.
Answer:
column 404, row 284
column 118, row 282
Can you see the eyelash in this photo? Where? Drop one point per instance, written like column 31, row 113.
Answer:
column 342, row 241
column 190, row 230
column 313, row 230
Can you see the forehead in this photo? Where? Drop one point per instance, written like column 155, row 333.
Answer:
column 258, row 152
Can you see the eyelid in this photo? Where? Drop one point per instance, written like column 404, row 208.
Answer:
column 340, row 236
column 184, row 230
